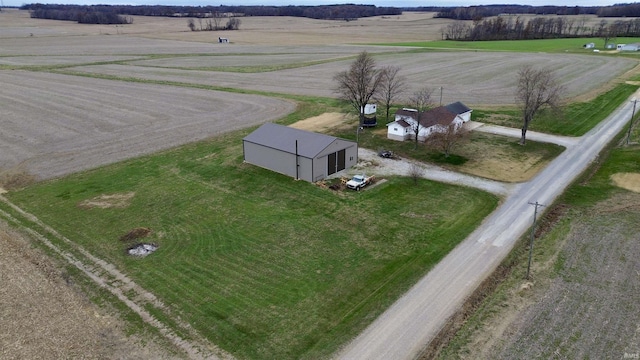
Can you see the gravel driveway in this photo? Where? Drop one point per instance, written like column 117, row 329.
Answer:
column 372, row 164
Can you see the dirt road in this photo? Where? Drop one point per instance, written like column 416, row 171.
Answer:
column 408, row 325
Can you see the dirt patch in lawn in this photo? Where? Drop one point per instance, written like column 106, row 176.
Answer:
column 322, row 123
column 629, row 181
column 121, row 200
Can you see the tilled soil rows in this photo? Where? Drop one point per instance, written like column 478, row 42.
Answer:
column 56, row 124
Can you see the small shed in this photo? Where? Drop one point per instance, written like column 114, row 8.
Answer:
column 298, row 153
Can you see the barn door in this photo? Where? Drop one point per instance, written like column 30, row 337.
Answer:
column 331, row 163
column 342, row 154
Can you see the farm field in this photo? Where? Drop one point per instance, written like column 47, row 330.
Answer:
column 475, row 79
column 56, row 124
column 262, row 266
column 45, row 315
column 580, row 301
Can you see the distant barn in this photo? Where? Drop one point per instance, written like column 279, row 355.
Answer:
column 298, row 153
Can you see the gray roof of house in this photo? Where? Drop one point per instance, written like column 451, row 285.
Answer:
column 458, row 108
column 284, row 138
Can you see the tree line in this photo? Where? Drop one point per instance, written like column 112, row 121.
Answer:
column 517, row 28
column 80, row 14
column 331, row 12
column 484, row 11
column 480, row 12
column 214, row 23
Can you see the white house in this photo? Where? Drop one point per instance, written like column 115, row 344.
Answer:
column 435, row 120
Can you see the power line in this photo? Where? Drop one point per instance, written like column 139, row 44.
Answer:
column 633, row 113
column 533, row 229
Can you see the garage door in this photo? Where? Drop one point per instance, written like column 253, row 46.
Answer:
column 336, row 162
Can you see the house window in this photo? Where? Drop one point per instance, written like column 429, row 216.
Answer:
column 395, row 129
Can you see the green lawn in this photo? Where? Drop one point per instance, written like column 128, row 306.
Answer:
column 264, row 266
column 573, row 45
column 576, row 119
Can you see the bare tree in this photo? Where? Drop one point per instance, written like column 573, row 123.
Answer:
column 217, row 17
column 360, row 83
column 233, row 24
column 446, row 139
column 391, row 87
column 415, row 172
column 537, row 89
column 421, row 101
column 191, row 24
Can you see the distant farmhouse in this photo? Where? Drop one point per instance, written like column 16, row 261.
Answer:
column 435, row 120
column 297, row 153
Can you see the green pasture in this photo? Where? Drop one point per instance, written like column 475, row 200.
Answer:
column 264, row 266
column 572, row 45
column 575, row 119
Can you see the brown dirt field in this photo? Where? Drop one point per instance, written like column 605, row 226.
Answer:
column 582, row 301
column 629, row 181
column 256, row 30
column 471, row 77
column 590, row 309
column 57, row 124
column 44, row 316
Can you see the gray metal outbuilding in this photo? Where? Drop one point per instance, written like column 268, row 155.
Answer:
column 298, row 153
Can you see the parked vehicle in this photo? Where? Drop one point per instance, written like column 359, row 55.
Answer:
column 387, row 154
column 359, row 181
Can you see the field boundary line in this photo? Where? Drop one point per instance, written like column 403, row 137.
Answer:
column 118, row 287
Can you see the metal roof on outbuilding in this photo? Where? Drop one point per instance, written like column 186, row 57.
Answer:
column 284, row 138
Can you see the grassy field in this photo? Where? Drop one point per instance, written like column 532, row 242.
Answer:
column 546, row 45
column 580, row 302
column 263, row 266
column 576, row 119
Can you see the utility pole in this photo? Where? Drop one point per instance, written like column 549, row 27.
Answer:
column 440, row 95
column 533, row 230
column 633, row 113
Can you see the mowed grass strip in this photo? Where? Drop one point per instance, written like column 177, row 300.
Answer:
column 571, row 45
column 264, row 266
column 576, row 119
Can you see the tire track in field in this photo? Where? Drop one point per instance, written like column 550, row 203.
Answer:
column 108, row 277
